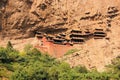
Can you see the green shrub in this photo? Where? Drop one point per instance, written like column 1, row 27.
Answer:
column 81, row 69
column 28, row 48
column 3, row 54
column 34, row 65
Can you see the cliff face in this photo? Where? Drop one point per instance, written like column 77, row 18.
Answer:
column 22, row 18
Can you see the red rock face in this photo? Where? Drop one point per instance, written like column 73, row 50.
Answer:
column 55, row 50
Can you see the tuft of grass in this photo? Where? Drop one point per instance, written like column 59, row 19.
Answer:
column 72, row 51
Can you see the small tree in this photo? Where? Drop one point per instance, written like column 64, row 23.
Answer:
column 9, row 46
column 12, row 54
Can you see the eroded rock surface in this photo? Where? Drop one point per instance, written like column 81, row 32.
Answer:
column 22, row 18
